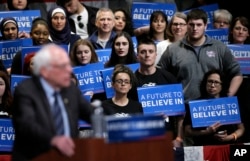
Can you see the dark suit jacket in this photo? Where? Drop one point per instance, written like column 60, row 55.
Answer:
column 33, row 121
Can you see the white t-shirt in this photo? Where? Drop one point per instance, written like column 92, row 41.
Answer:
column 83, row 19
column 161, row 47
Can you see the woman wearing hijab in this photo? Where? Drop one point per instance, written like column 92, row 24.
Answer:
column 10, row 30
column 59, row 27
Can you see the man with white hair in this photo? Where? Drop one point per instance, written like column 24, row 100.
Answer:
column 47, row 107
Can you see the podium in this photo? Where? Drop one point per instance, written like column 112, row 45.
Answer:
column 91, row 149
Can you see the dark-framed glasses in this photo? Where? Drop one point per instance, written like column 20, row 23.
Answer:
column 213, row 82
column 121, row 81
column 222, row 22
column 80, row 24
column 179, row 24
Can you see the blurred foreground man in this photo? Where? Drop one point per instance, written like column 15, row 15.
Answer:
column 47, row 107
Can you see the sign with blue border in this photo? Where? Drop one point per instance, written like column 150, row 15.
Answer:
column 89, row 77
column 103, row 55
column 218, row 34
column 141, row 12
column 167, row 99
column 24, row 18
column 15, row 80
column 7, row 135
column 242, row 55
column 207, row 112
column 8, row 51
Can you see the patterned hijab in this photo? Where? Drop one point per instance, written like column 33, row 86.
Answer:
column 59, row 37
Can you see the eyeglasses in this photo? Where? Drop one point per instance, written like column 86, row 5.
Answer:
column 80, row 24
column 179, row 24
column 222, row 22
column 120, row 81
column 211, row 82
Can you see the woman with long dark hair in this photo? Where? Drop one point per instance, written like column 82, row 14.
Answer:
column 213, row 86
column 5, row 95
column 122, row 50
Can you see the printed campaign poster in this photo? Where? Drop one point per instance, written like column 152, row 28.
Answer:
column 207, row 112
column 167, row 99
column 210, row 12
column 7, row 135
column 218, row 34
column 107, row 78
column 103, row 55
column 89, row 77
column 242, row 55
column 8, row 51
column 125, row 129
column 141, row 12
column 24, row 18
column 15, row 80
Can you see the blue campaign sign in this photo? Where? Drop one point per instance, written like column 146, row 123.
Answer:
column 8, row 51
column 207, row 112
column 141, row 12
column 210, row 12
column 107, row 81
column 24, row 18
column 7, row 135
column 242, row 55
column 83, row 124
column 15, row 80
column 27, row 42
column 27, row 50
column 167, row 99
column 107, row 78
column 218, row 34
column 89, row 77
column 134, row 128
column 103, row 54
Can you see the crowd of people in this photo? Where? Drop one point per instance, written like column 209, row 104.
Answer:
column 168, row 52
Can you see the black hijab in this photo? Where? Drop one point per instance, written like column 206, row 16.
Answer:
column 59, row 37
